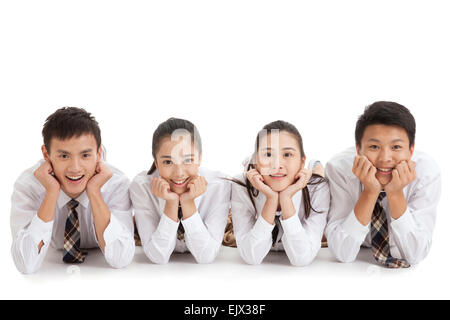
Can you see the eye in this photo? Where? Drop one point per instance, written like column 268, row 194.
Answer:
column 267, row 154
column 86, row 155
column 397, row 147
column 188, row 161
column 373, row 147
column 288, row 154
column 167, row 162
column 64, row 156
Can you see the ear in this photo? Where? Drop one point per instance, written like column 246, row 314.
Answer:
column 45, row 153
column 99, row 153
column 358, row 149
column 411, row 151
column 303, row 163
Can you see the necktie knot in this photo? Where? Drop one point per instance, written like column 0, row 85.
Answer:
column 73, row 204
column 381, row 196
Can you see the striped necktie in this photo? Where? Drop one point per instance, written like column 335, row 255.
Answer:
column 380, row 237
column 180, row 231
column 72, row 251
column 276, row 230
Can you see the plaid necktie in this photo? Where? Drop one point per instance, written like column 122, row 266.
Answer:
column 380, row 237
column 72, row 252
column 276, row 230
column 180, row 231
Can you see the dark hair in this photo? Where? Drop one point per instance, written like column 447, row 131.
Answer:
column 387, row 113
column 287, row 127
column 166, row 129
column 69, row 122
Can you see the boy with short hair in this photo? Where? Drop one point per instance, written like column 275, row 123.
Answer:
column 72, row 198
column 384, row 194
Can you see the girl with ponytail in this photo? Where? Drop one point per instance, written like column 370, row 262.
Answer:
column 178, row 205
column 278, row 203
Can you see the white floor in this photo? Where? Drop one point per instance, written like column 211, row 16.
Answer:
column 228, row 278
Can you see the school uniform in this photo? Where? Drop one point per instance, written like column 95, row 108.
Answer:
column 28, row 230
column 298, row 236
column 202, row 232
column 409, row 236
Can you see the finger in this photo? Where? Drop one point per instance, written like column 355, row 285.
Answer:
column 362, row 163
column 411, row 166
column 372, row 171
column 366, row 166
column 395, row 175
column 252, row 173
column 191, row 188
column 308, row 174
column 301, row 183
column 402, row 169
column 355, row 164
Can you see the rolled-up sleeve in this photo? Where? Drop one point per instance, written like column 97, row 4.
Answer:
column 204, row 232
column 302, row 241
column 28, row 230
column 253, row 234
column 119, row 235
column 157, row 231
column 344, row 232
column 413, row 231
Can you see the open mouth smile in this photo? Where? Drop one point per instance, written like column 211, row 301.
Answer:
column 74, row 179
column 385, row 171
column 179, row 183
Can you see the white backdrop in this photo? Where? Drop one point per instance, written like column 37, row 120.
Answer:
column 230, row 67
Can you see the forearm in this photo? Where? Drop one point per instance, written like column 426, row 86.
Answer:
column 287, row 207
column 101, row 215
column 364, row 207
column 269, row 210
column 397, row 204
column 171, row 210
column 48, row 206
column 188, row 208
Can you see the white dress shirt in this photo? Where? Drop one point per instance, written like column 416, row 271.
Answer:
column 409, row 236
column 300, row 237
column 204, row 230
column 28, row 230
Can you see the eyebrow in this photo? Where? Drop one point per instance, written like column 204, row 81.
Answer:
column 67, row 152
column 376, row 140
column 286, row 148
column 185, row 156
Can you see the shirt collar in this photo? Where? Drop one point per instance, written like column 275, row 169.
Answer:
column 63, row 199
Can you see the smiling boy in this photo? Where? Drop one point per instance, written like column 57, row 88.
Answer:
column 71, row 199
column 384, row 194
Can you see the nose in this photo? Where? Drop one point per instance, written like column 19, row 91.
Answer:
column 178, row 171
column 385, row 156
column 74, row 165
column 276, row 163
